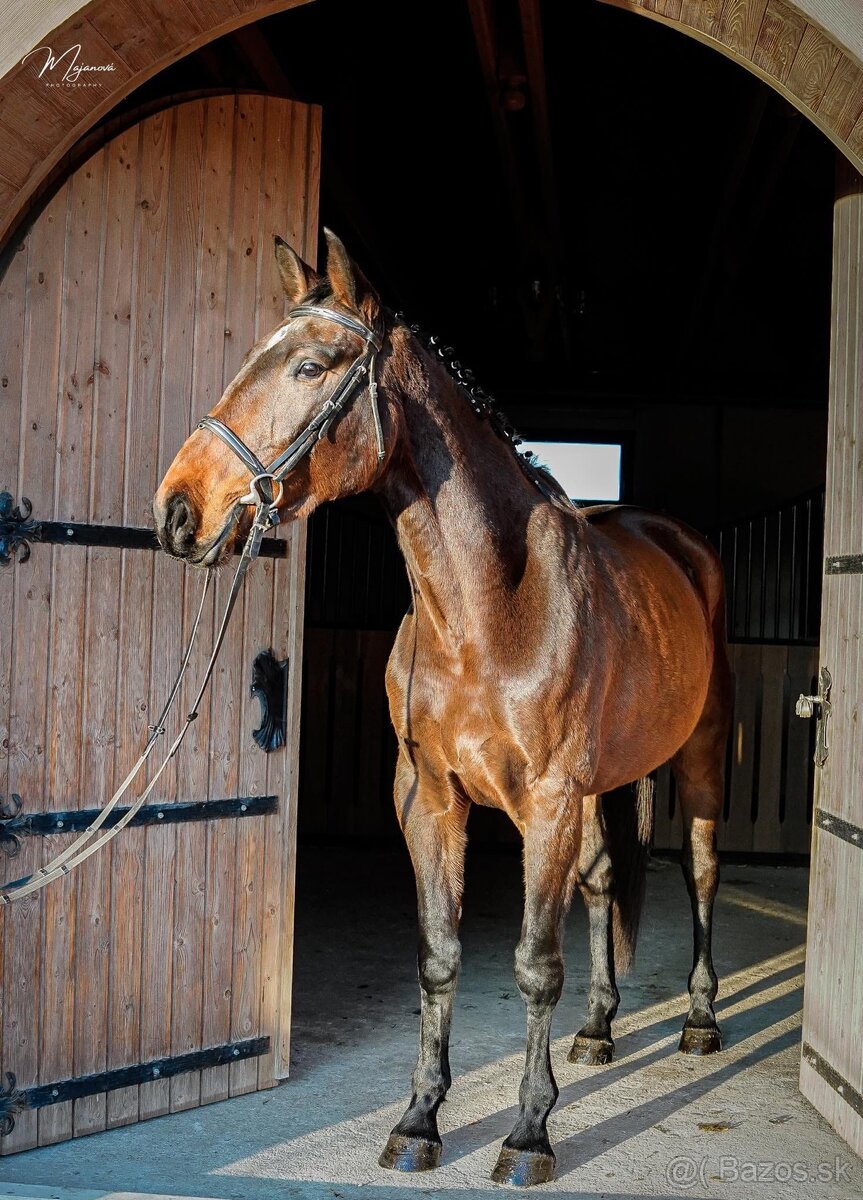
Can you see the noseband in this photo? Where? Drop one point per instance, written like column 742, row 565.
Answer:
column 265, row 490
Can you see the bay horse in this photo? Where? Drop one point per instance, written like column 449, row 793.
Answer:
column 550, row 655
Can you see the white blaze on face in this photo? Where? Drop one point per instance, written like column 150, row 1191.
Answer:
column 273, row 340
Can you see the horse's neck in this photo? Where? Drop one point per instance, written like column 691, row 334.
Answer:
column 460, row 503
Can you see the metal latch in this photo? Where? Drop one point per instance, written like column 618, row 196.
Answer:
column 818, row 706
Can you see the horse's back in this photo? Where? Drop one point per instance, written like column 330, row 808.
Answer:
column 685, row 546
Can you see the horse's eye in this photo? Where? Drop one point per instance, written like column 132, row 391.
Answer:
column 310, row 370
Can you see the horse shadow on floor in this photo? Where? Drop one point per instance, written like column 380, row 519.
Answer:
column 574, row 1151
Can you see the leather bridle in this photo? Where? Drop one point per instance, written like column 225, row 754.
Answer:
column 265, row 491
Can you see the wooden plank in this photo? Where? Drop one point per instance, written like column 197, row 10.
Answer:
column 296, row 594
column 13, row 335
column 210, row 324
column 703, row 15
column 802, row 676
column 774, row 714
column 242, row 293
column 143, row 444
column 778, row 40
column 740, row 23
column 292, row 134
column 178, row 380
column 269, row 311
column 842, row 103
column 834, row 972
column 736, row 833
column 812, row 68
column 118, row 311
column 67, row 667
column 140, row 38
column 664, row 8
column 31, row 621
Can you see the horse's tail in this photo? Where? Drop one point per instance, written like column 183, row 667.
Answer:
column 629, row 830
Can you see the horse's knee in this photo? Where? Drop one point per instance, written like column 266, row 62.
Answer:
column 439, row 961
column 538, row 973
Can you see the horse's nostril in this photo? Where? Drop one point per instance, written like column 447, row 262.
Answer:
column 179, row 520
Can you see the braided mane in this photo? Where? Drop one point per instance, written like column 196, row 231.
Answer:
column 486, row 408
column 483, row 405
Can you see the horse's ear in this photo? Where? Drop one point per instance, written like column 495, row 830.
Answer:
column 297, row 278
column 350, row 286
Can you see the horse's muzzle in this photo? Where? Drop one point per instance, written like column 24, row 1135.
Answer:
column 176, row 525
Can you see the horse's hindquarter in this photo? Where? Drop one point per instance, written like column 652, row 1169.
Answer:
column 660, row 584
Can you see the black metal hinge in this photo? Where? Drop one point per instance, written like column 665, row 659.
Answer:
column 14, row 824
column 13, row 1101
column 833, row 1079
column 17, row 532
column 840, row 828
column 843, row 564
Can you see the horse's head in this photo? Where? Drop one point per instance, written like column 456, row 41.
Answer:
column 281, row 388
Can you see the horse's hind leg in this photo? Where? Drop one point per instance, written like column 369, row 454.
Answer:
column 593, row 1045
column 698, row 772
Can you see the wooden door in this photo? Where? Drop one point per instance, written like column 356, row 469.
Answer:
column 831, row 1074
column 123, row 311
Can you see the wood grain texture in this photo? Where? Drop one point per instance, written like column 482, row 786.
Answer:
column 813, row 67
column 38, row 124
column 130, row 305
column 30, row 681
column 739, row 24
column 185, row 234
column 833, row 1009
column 842, row 102
column 778, row 40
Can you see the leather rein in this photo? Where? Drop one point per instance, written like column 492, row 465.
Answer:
column 265, row 492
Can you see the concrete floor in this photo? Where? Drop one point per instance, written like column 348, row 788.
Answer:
column 653, row 1124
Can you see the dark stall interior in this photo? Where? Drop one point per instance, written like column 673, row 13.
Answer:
column 625, row 236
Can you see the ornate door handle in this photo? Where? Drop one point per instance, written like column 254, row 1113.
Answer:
column 818, row 706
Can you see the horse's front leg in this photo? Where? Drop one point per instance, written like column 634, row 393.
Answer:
column 551, row 844
column 433, row 818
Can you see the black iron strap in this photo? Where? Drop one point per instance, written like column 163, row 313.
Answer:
column 13, row 1101
column 15, row 824
column 18, row 531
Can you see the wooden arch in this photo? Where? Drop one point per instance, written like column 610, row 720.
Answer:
column 42, row 115
column 811, row 52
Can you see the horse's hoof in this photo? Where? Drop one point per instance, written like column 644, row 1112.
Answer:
column 404, row 1153
column 523, row 1168
column 591, row 1051
column 695, row 1040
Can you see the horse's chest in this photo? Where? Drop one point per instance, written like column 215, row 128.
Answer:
column 459, row 722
